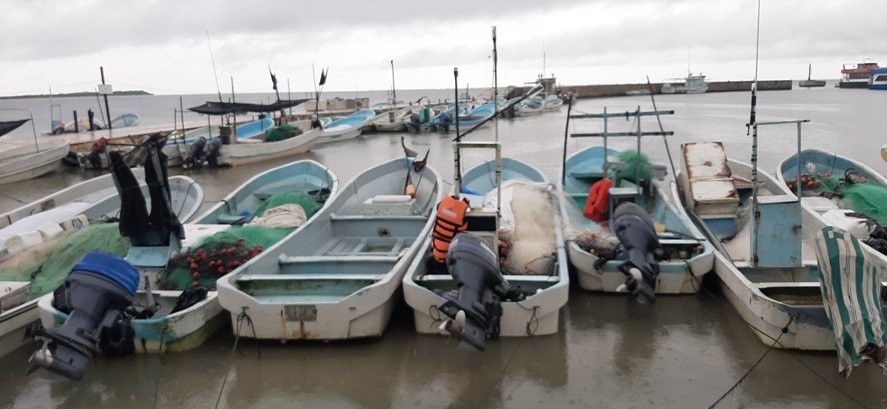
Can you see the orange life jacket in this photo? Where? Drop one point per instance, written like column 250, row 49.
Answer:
column 598, row 196
column 449, row 221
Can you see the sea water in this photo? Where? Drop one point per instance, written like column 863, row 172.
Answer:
column 682, row 352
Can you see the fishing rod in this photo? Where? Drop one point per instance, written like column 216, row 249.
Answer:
column 664, row 137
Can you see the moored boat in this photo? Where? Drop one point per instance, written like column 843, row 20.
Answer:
column 692, row 84
column 264, row 210
column 534, row 279
column 337, row 277
column 595, row 180
column 768, row 269
column 857, row 75
column 61, row 238
column 347, row 127
column 878, row 79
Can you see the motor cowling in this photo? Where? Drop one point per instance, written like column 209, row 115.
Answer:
column 475, row 310
column 214, row 152
column 637, row 234
column 94, row 293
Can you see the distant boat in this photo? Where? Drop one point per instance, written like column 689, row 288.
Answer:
column 126, row 120
column 693, row 84
column 21, row 160
column 347, row 127
column 857, row 75
column 809, row 83
column 878, row 79
column 644, row 91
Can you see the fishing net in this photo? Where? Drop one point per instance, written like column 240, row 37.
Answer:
column 46, row 265
column 282, row 132
column 531, row 247
column 635, row 166
column 217, row 255
column 852, row 192
column 300, row 198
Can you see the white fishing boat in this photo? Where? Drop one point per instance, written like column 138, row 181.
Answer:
column 595, row 180
column 768, row 269
column 692, row 84
column 530, row 286
column 347, row 127
column 182, row 276
column 23, row 160
column 337, row 277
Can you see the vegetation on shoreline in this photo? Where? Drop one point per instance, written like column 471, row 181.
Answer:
column 75, row 94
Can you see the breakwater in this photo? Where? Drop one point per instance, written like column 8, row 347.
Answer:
column 612, row 90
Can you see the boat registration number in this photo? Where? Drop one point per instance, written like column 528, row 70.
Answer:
column 300, row 312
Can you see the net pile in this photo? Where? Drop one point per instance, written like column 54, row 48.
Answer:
column 635, row 166
column 854, row 192
column 531, row 247
column 214, row 256
column 47, row 265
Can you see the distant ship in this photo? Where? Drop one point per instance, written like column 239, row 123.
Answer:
column 808, row 83
column 857, row 75
column 693, row 84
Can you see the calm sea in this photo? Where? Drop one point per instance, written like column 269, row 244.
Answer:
column 682, row 352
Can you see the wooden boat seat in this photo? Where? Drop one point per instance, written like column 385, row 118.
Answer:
column 284, row 260
column 511, row 278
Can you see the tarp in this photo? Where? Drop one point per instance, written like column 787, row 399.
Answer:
column 8, row 126
column 224, row 108
column 851, row 296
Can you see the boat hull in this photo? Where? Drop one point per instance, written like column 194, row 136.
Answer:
column 32, row 165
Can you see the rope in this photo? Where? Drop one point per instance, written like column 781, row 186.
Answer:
column 533, row 318
column 729, row 309
column 240, row 318
column 784, row 331
column 10, row 197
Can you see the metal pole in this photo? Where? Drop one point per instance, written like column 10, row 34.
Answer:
column 457, row 174
column 393, row 87
column 606, row 151
column 107, row 109
column 566, row 136
column 495, row 83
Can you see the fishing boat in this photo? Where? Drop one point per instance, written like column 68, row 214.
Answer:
column 530, row 106
column 857, row 75
column 51, row 224
column 594, row 181
column 809, row 82
column 552, row 103
column 692, row 84
column 768, row 269
column 126, row 120
column 264, row 210
column 537, row 273
column 878, row 79
column 347, row 127
column 478, row 114
column 337, row 277
column 393, row 120
column 21, row 160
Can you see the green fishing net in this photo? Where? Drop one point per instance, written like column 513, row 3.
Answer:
column 281, row 133
column 47, row 265
column 635, row 165
column 857, row 193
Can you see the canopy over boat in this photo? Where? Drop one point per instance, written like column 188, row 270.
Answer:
column 8, row 126
column 224, row 108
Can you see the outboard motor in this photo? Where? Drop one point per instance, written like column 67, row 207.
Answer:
column 637, row 233
column 95, row 293
column 195, row 158
column 475, row 311
column 214, row 152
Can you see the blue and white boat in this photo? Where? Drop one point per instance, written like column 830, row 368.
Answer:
column 878, row 79
column 477, row 115
column 346, row 128
column 337, row 276
column 541, row 280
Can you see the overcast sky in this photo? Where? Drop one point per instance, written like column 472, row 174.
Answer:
column 163, row 47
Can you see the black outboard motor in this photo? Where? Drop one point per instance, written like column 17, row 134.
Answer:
column 95, row 293
column 195, row 157
column 475, row 311
column 637, row 233
column 214, row 152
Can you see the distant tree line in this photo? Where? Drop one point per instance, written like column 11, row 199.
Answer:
column 76, row 94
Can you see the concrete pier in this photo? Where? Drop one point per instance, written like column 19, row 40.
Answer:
column 612, row 90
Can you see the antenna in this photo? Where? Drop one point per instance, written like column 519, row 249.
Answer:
column 213, row 58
